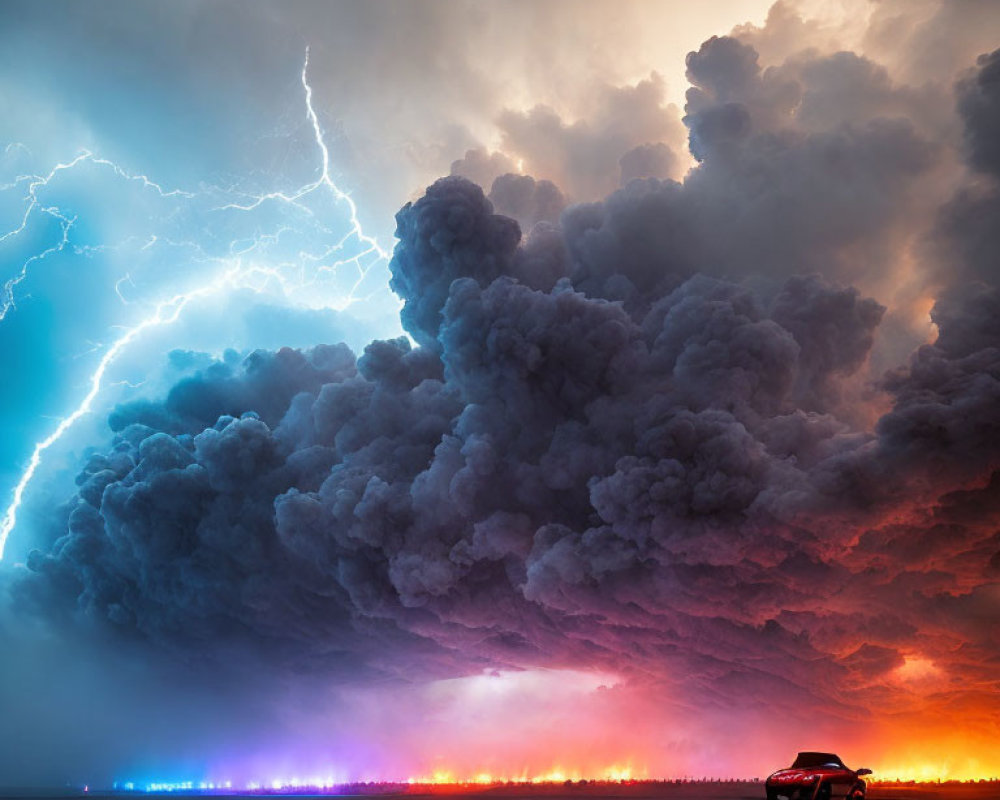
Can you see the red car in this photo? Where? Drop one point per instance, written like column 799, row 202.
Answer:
column 817, row 776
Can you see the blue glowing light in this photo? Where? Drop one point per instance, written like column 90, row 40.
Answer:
column 177, row 248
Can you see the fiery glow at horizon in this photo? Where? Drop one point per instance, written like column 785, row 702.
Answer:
column 926, row 773
column 508, row 704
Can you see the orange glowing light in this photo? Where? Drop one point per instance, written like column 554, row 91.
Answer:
column 922, row 308
column 931, row 772
column 615, row 773
column 917, row 669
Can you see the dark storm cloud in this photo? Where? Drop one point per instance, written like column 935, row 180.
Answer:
column 966, row 237
column 528, row 201
column 946, row 400
column 791, row 197
column 631, row 440
column 647, row 161
column 834, row 197
column 562, row 456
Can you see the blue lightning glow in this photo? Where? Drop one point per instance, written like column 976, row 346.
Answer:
column 34, row 205
column 310, row 275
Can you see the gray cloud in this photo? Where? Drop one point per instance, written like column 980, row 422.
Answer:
column 583, row 157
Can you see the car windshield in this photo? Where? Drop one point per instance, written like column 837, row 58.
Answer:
column 809, row 760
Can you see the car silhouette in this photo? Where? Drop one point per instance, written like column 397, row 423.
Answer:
column 817, row 776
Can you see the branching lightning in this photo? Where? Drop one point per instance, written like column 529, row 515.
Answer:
column 243, row 266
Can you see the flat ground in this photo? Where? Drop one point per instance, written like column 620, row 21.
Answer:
column 707, row 790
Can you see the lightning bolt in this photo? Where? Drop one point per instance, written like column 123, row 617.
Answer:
column 355, row 249
column 35, row 206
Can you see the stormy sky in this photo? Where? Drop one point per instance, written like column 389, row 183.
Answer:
column 399, row 390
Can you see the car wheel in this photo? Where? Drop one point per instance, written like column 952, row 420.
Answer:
column 822, row 792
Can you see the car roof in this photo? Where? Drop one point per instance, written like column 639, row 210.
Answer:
column 813, row 758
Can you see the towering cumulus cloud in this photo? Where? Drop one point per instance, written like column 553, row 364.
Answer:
column 664, row 435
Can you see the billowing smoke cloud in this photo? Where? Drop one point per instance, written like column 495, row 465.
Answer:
column 645, row 440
